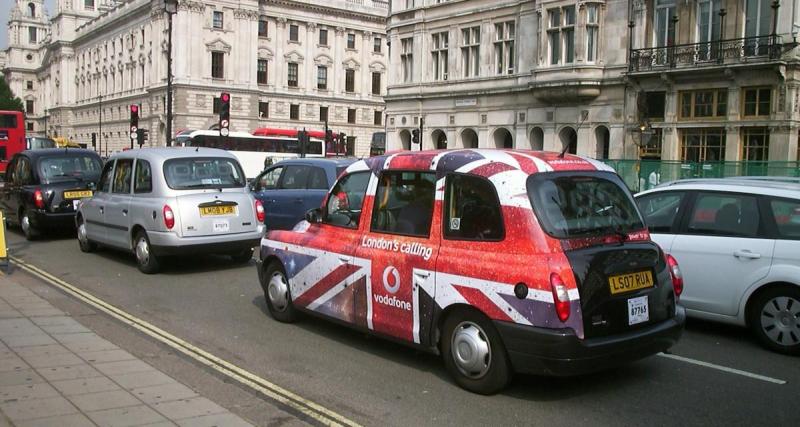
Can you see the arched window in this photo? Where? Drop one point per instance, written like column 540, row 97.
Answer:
column 32, row 10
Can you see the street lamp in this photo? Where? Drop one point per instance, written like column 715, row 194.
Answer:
column 171, row 8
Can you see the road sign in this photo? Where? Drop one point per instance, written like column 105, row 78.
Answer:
column 224, row 123
column 134, row 129
column 133, row 135
column 224, row 132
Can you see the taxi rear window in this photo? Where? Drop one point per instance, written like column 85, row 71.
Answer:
column 571, row 205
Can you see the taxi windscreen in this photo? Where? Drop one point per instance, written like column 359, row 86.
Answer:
column 67, row 168
column 208, row 172
column 574, row 205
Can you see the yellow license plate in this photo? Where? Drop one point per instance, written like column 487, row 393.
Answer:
column 217, row 210
column 77, row 194
column 630, row 282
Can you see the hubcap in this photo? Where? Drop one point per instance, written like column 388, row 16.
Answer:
column 780, row 320
column 142, row 251
column 82, row 234
column 471, row 350
column 278, row 291
column 25, row 223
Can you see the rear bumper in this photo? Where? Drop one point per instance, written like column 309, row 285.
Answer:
column 171, row 244
column 559, row 352
column 44, row 219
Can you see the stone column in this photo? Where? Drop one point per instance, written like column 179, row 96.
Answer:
column 280, row 61
column 670, row 144
column 733, row 143
column 783, row 143
column 551, row 141
column 337, row 69
column 308, row 64
column 520, row 137
column 366, row 73
column 586, row 145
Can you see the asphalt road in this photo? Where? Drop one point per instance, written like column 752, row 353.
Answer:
column 219, row 307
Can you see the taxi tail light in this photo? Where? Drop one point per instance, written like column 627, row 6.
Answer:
column 675, row 273
column 38, row 198
column 560, row 297
column 169, row 217
column 260, row 214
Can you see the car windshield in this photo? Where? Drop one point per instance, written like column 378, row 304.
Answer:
column 67, row 168
column 573, row 205
column 207, row 172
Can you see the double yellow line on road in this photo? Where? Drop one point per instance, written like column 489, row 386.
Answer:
column 279, row 394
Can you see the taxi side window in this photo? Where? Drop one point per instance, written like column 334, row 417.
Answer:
column 23, row 171
column 269, row 180
column 472, row 209
column 143, row 179
column 105, row 177
column 346, row 199
column 122, row 177
column 404, row 203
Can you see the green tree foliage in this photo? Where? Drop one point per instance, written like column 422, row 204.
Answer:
column 7, row 99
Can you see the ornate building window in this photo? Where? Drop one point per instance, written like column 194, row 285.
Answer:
column 351, row 41
column 32, row 35
column 323, row 114
column 292, row 74
column 88, row 4
column 755, row 147
column 263, row 110
column 294, row 33
column 440, row 44
column 263, row 27
column 703, row 145
column 756, row 101
column 592, row 31
column 378, row 118
column 407, row 59
column 323, row 37
column 470, row 51
column 376, row 83
column 217, row 20
column 261, row 75
column 322, row 77
column 350, row 80
column 703, row 104
column 504, row 47
column 664, row 32
column 561, row 35
column 351, row 115
column 294, row 112
column 377, row 45
column 217, row 65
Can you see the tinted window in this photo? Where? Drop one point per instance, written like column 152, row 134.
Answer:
column 54, row 169
column 345, row 201
column 317, row 179
column 39, row 143
column 24, row 174
column 294, row 178
column 660, row 210
column 582, row 205
column 8, row 121
column 122, row 176
column 404, row 203
column 472, row 209
column 269, row 180
column 208, row 172
column 787, row 217
column 105, row 178
column 143, row 179
column 725, row 215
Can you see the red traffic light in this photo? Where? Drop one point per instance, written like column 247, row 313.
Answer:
column 225, row 97
column 134, row 108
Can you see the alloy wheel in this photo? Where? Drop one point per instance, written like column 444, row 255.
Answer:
column 780, row 320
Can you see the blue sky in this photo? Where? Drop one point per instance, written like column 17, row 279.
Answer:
column 5, row 7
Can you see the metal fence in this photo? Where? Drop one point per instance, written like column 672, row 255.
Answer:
column 642, row 175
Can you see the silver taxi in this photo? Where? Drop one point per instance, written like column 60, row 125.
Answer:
column 157, row 202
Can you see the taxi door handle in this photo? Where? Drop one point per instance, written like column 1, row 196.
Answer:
column 102, row 209
column 298, row 200
column 422, row 274
column 344, row 259
column 744, row 253
column 124, row 211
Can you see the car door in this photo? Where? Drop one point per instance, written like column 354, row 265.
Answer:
column 401, row 244
column 118, row 205
column 288, row 199
column 9, row 210
column 784, row 217
column 21, row 198
column 317, row 187
column 264, row 189
column 93, row 210
column 722, row 249
column 662, row 212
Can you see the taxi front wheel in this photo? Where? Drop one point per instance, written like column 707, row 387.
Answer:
column 474, row 353
column 276, row 292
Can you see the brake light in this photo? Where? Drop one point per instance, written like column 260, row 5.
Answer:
column 169, row 217
column 260, row 215
column 675, row 273
column 560, row 297
column 38, row 199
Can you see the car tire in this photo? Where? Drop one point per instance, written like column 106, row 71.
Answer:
column 243, row 256
column 28, row 230
column 143, row 251
column 775, row 319
column 277, row 294
column 474, row 354
column 84, row 242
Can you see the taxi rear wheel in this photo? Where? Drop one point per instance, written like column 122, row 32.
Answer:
column 28, row 229
column 145, row 259
column 474, row 354
column 85, row 244
column 243, row 256
column 276, row 292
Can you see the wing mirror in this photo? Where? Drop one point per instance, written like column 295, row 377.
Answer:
column 314, row 216
column 92, row 186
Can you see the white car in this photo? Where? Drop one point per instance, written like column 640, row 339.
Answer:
column 738, row 244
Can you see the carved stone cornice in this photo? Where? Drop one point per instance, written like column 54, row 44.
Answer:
column 192, row 6
column 250, row 15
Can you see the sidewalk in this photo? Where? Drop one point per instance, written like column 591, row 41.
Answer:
column 56, row 372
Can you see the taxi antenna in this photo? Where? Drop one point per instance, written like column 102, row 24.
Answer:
column 584, row 116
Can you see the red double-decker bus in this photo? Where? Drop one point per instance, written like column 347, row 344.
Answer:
column 332, row 148
column 12, row 136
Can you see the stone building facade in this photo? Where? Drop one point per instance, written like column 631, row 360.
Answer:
column 286, row 63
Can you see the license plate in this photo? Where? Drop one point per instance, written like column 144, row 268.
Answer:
column 221, row 226
column 630, row 282
column 77, row 194
column 217, row 210
column 638, row 310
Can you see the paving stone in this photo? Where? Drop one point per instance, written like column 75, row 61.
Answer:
column 141, row 379
column 68, row 372
column 104, row 356
column 12, row 363
column 74, row 420
column 12, row 327
column 163, row 393
column 188, row 408
column 214, row 420
column 54, row 321
column 37, row 408
column 63, row 329
column 85, row 385
column 25, row 376
column 26, row 391
column 161, row 424
column 104, row 400
column 83, row 342
column 28, row 340
column 124, row 417
column 12, row 290
column 9, row 313
column 41, row 350
column 53, row 360
column 123, row 367
column 40, row 311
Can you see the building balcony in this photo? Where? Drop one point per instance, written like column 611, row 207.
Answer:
column 717, row 53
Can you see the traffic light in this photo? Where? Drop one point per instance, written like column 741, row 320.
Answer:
column 141, row 137
column 134, row 121
column 415, row 136
column 94, row 140
column 224, row 113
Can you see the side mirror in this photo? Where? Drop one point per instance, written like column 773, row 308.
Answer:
column 314, row 216
column 92, row 186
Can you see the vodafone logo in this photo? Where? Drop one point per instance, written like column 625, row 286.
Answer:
column 391, row 284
